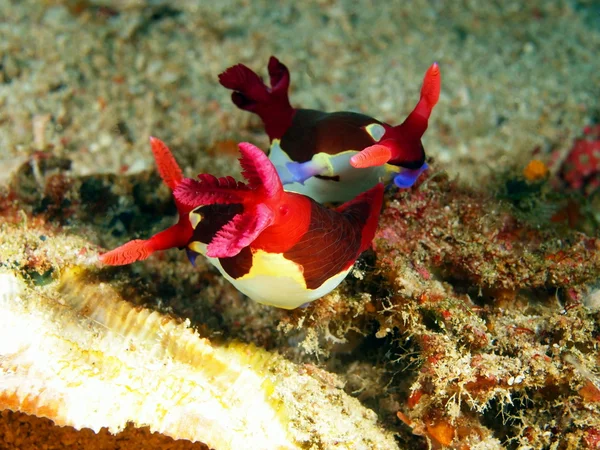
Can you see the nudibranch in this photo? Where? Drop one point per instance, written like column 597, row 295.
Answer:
column 317, row 153
column 279, row 248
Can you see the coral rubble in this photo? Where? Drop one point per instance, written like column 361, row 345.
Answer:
column 487, row 326
column 464, row 327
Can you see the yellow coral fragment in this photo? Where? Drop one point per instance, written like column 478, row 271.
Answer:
column 536, row 170
column 82, row 356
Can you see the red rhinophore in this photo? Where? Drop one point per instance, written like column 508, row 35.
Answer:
column 176, row 236
column 169, row 170
column 250, row 93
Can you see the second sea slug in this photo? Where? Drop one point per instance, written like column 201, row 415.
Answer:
column 333, row 157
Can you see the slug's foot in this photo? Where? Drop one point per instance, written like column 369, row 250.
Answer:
column 408, row 177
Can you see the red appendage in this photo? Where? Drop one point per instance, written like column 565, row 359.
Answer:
column 176, row 236
column 272, row 104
